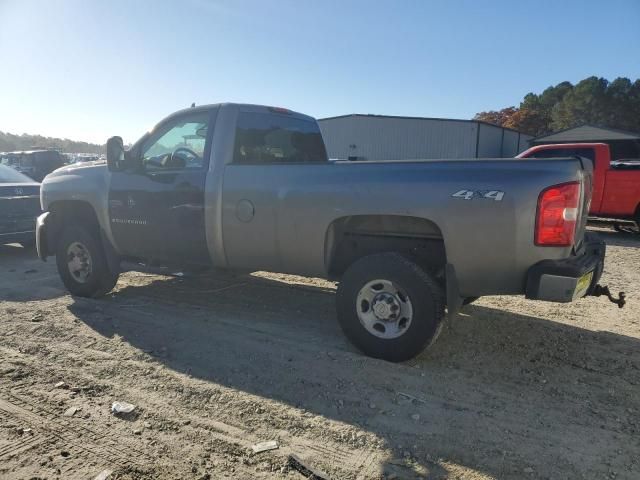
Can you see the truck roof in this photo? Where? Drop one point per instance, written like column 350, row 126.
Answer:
column 567, row 145
column 243, row 107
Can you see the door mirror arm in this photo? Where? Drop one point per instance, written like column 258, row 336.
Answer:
column 115, row 154
column 119, row 159
column 133, row 161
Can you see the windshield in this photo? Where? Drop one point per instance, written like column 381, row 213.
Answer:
column 9, row 175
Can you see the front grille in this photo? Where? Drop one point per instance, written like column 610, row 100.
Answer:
column 18, row 214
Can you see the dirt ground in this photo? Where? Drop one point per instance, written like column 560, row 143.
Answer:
column 217, row 363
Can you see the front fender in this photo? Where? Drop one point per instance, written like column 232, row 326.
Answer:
column 87, row 184
column 41, row 237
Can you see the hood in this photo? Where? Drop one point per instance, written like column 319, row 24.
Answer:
column 80, row 168
column 88, row 182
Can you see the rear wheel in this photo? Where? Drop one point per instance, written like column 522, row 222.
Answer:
column 82, row 263
column 389, row 307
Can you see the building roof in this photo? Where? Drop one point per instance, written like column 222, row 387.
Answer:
column 370, row 115
column 586, row 133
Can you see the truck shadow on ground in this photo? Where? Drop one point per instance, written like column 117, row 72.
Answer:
column 498, row 391
column 24, row 277
column 619, row 239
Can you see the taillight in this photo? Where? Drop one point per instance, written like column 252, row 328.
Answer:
column 557, row 215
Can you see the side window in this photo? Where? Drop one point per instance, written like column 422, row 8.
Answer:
column 178, row 144
column 277, row 138
column 625, row 149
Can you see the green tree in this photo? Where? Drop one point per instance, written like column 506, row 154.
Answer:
column 10, row 142
column 593, row 101
column 586, row 103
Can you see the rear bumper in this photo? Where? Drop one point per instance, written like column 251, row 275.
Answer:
column 41, row 236
column 568, row 279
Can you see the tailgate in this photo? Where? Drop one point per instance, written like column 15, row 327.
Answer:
column 587, row 193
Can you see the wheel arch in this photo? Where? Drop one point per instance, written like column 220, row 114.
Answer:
column 352, row 237
column 81, row 212
column 65, row 212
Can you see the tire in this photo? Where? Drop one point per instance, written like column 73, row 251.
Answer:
column 370, row 281
column 100, row 279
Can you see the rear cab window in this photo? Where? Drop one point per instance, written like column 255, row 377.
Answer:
column 274, row 138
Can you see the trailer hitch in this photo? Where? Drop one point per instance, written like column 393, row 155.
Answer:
column 599, row 290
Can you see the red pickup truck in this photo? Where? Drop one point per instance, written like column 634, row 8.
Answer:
column 616, row 184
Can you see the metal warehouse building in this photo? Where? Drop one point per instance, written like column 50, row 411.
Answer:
column 382, row 137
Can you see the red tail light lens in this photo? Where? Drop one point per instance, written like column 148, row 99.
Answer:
column 557, row 215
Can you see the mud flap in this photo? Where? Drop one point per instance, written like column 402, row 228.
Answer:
column 454, row 300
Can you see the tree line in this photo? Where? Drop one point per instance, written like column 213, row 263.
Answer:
column 10, row 142
column 593, row 101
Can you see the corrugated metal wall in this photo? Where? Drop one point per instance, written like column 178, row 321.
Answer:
column 370, row 137
column 489, row 141
column 524, row 142
column 510, row 143
column 384, row 138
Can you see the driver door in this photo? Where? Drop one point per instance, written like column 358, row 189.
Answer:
column 157, row 211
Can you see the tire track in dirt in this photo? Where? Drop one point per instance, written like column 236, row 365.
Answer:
column 49, row 427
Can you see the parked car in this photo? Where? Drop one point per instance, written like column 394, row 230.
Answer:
column 36, row 164
column 250, row 188
column 19, row 207
column 81, row 158
column 10, row 159
column 616, row 184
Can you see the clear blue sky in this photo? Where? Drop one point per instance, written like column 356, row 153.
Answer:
column 90, row 69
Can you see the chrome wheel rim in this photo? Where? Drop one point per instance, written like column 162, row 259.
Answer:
column 79, row 262
column 384, row 309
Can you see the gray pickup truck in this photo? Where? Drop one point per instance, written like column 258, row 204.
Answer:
column 250, row 188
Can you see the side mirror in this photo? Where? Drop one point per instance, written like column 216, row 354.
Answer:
column 115, row 153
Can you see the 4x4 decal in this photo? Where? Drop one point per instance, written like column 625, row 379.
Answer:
column 496, row 195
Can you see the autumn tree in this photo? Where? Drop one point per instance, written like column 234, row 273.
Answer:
column 498, row 117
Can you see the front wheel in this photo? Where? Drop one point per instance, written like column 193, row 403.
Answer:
column 82, row 263
column 389, row 307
